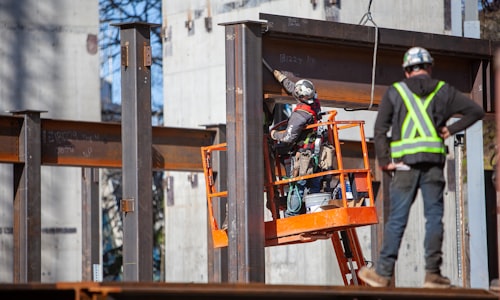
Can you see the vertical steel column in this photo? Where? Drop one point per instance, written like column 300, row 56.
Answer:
column 476, row 210
column 497, row 116
column 27, row 202
column 91, row 224
column 478, row 248
column 244, row 105
column 137, row 206
column 217, row 257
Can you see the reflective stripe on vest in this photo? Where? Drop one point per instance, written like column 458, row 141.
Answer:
column 417, row 132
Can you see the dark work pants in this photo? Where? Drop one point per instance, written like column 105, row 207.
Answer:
column 403, row 190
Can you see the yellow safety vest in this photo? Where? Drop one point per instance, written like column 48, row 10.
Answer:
column 417, row 132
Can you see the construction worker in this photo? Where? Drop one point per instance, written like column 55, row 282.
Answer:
column 299, row 143
column 417, row 111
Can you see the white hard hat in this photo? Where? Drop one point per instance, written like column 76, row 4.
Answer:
column 304, row 91
column 417, row 56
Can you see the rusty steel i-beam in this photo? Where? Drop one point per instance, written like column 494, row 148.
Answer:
column 136, row 205
column 337, row 55
column 338, row 58
column 29, row 142
column 99, row 144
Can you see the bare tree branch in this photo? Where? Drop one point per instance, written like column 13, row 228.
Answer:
column 122, row 11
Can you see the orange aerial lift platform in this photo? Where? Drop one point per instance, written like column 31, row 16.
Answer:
column 334, row 219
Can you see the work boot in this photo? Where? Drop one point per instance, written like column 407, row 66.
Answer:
column 436, row 280
column 370, row 277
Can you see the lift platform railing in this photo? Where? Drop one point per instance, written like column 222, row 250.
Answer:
column 336, row 215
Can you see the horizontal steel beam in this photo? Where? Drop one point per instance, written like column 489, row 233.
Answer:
column 94, row 144
column 338, row 57
column 159, row 290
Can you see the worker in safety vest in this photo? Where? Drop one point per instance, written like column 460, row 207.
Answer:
column 417, row 111
column 298, row 142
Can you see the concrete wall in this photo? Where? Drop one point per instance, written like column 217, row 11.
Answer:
column 194, row 78
column 49, row 62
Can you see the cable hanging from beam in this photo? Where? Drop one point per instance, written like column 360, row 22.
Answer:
column 368, row 17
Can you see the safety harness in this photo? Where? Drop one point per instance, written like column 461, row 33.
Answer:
column 308, row 142
column 417, row 132
column 308, row 108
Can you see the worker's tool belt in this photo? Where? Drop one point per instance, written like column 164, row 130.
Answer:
column 326, row 155
column 306, row 162
column 303, row 163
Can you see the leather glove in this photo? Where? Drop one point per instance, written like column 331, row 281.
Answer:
column 279, row 76
column 273, row 132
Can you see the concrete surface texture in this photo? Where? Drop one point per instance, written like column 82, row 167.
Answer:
column 50, row 63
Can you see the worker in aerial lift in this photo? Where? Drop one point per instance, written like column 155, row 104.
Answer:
column 416, row 110
column 299, row 143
